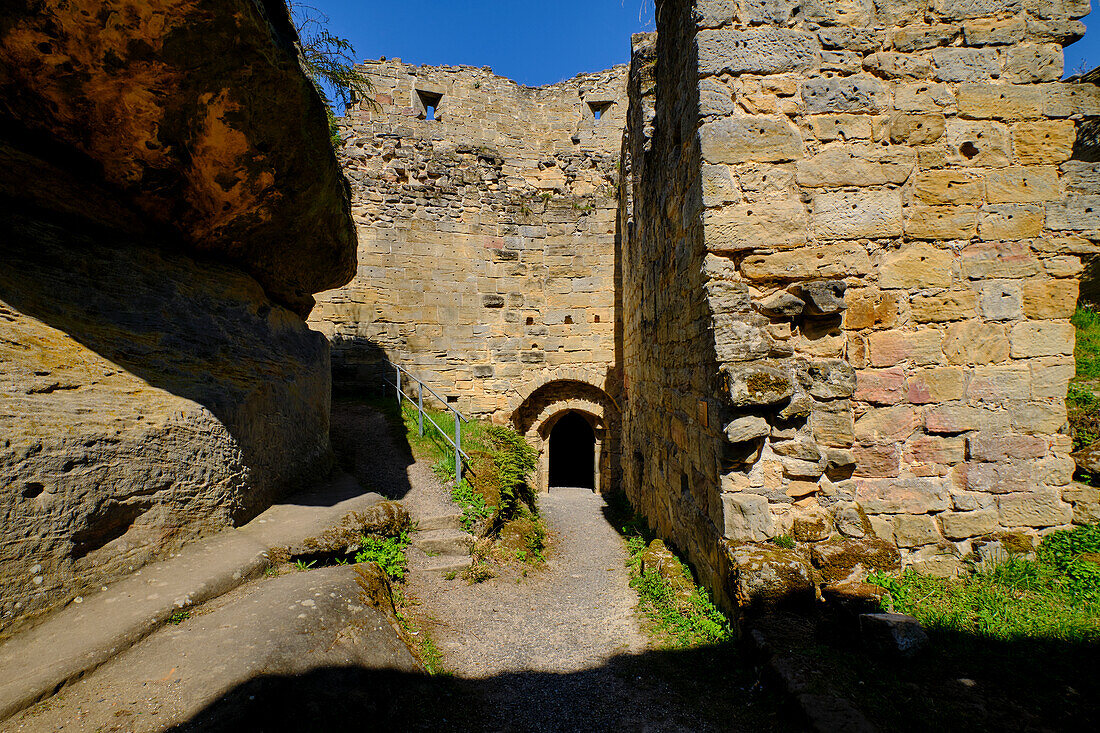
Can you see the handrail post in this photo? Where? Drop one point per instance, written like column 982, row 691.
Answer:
column 420, row 408
column 458, row 447
column 397, row 369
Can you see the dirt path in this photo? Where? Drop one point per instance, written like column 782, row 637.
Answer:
column 560, row 649
column 575, row 613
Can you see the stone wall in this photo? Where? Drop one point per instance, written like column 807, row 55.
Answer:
column 157, row 381
column 849, row 261
column 486, row 239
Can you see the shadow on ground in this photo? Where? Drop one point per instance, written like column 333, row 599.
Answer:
column 960, row 684
column 369, row 441
column 698, row 690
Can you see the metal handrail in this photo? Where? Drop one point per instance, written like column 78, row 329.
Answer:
column 456, row 443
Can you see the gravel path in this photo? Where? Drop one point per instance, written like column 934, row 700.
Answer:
column 558, row 649
column 574, row 614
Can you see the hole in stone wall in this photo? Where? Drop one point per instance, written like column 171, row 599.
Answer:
column 968, row 149
column 572, row 452
column 569, row 320
column 430, row 101
column 596, row 319
column 452, row 398
column 530, row 321
column 32, row 489
column 599, row 108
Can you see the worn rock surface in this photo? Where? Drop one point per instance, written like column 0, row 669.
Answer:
column 168, row 204
column 158, row 399
column 183, row 108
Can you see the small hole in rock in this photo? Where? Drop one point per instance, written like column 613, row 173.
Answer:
column 32, row 489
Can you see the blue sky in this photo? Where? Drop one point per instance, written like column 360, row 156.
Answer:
column 532, row 41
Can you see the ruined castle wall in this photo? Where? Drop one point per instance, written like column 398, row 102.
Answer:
column 856, row 235
column 486, row 235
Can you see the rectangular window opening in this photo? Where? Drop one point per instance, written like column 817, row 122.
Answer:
column 599, row 108
column 430, row 102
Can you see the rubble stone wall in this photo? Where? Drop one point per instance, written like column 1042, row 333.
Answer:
column 486, row 234
column 486, row 241
column 849, row 260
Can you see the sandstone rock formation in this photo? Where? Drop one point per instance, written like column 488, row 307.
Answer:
column 168, row 203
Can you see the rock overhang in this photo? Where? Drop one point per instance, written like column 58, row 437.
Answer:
column 198, row 115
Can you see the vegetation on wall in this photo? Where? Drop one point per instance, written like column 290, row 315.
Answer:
column 329, row 61
column 495, row 495
column 679, row 612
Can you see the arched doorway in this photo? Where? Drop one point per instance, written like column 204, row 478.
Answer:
column 554, row 401
column 572, row 452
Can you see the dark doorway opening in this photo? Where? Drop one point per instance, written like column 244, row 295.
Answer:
column 573, row 452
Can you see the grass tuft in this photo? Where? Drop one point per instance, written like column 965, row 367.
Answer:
column 1087, row 351
column 680, row 616
column 1055, row 597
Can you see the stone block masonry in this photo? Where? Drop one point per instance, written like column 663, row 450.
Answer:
column 486, row 219
column 850, row 253
column 821, row 288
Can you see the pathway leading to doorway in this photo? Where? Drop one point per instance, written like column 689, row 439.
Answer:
column 574, row 614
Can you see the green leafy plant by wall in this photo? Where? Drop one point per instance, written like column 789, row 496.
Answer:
column 1086, row 352
column 329, row 61
column 387, row 552
column 1056, row 596
column 680, row 615
column 495, row 487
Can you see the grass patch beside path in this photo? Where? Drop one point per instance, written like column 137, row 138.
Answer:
column 1056, row 596
column 494, row 491
column 678, row 611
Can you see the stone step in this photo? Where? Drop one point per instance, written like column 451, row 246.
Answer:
column 439, row 521
column 446, row 563
column 444, row 542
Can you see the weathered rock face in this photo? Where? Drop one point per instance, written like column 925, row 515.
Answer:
column 146, row 399
column 182, row 106
column 151, row 388
column 850, row 250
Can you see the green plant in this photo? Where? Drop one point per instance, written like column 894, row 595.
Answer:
column 302, row 565
column 451, row 574
column 1086, row 353
column 179, row 617
column 681, row 614
column 473, row 504
column 387, row 552
column 783, row 540
column 271, row 571
column 1055, row 596
column 477, row 572
column 513, row 459
column 329, row 62
column 1083, row 408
